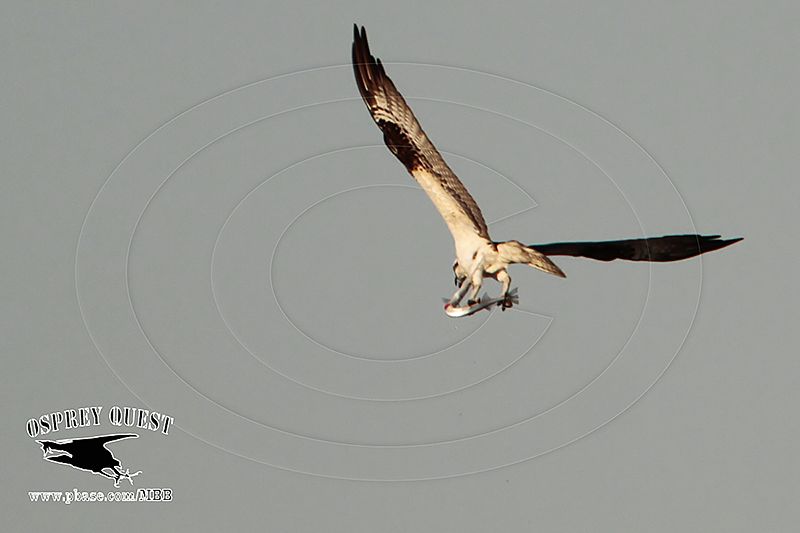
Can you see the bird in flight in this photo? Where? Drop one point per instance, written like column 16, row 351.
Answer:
column 477, row 255
column 90, row 454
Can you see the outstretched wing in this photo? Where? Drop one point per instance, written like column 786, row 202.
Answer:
column 661, row 249
column 100, row 439
column 103, row 439
column 406, row 140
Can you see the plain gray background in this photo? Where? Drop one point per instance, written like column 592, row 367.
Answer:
column 706, row 89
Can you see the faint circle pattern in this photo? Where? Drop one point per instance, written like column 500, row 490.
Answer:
column 512, row 360
column 97, row 285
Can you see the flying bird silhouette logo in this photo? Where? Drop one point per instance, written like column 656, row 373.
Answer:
column 89, row 454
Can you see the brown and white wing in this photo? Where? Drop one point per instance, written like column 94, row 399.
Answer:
column 406, row 140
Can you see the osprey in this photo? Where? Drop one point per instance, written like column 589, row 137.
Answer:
column 89, row 453
column 477, row 255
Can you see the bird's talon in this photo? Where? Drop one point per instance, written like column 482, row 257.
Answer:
column 509, row 299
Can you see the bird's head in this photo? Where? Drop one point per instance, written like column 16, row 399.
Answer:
column 46, row 447
column 50, row 449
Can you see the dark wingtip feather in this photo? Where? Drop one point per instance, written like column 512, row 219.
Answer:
column 716, row 243
column 360, row 57
column 360, row 41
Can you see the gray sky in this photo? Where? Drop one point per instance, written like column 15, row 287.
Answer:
column 204, row 223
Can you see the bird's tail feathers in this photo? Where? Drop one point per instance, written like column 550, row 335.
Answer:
column 516, row 252
column 542, row 262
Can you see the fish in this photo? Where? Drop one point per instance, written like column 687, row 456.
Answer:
column 458, row 311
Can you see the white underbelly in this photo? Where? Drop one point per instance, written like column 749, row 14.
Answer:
column 468, row 249
column 465, row 236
